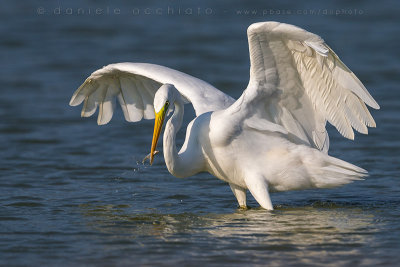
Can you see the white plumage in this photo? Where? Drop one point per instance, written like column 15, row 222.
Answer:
column 273, row 138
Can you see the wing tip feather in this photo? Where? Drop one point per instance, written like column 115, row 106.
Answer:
column 373, row 104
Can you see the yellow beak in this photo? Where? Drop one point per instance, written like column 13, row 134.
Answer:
column 158, row 123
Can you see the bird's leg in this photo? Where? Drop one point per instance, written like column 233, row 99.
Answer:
column 258, row 187
column 240, row 194
column 148, row 156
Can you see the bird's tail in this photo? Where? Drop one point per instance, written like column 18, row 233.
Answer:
column 335, row 172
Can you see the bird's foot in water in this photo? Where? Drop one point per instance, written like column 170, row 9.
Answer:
column 148, row 156
column 245, row 207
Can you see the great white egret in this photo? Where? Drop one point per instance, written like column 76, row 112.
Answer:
column 273, row 138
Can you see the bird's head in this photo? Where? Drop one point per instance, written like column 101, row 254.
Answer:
column 163, row 99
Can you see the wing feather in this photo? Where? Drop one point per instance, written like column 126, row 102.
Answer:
column 107, row 103
column 86, row 89
column 307, row 84
column 135, row 85
column 147, row 96
column 133, row 100
column 90, row 105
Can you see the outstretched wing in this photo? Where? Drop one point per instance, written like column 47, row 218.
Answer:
column 135, row 84
column 298, row 82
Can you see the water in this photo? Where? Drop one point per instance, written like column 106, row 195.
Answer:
column 73, row 192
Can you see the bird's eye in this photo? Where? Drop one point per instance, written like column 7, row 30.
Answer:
column 167, row 103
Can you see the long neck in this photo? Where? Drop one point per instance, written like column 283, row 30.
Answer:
column 172, row 158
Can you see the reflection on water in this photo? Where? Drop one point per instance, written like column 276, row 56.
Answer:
column 302, row 234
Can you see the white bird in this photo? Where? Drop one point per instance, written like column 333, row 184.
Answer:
column 273, row 138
